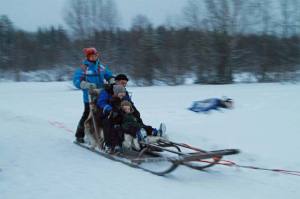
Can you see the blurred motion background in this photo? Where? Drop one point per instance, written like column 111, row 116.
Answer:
column 168, row 42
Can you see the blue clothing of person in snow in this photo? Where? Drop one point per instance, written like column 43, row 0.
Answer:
column 92, row 72
column 211, row 104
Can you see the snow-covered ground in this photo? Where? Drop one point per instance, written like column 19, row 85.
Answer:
column 39, row 160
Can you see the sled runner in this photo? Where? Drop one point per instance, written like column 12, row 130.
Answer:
column 165, row 156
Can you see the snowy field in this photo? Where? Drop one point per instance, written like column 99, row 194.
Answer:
column 39, row 160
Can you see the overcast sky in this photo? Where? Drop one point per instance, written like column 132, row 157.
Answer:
column 31, row 14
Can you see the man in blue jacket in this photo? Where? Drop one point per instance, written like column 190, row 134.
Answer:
column 91, row 75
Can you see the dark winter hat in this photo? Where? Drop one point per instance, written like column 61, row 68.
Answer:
column 121, row 77
column 227, row 99
column 119, row 89
column 90, row 51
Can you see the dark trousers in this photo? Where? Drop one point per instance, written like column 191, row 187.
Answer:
column 80, row 127
column 113, row 134
column 148, row 129
column 132, row 131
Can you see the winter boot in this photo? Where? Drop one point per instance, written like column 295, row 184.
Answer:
column 117, row 150
column 141, row 135
column 136, row 145
column 80, row 140
column 107, row 148
column 162, row 131
column 79, row 131
column 127, row 143
column 79, row 134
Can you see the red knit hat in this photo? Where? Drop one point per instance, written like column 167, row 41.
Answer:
column 90, row 51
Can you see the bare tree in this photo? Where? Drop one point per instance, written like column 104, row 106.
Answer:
column 289, row 17
column 104, row 14
column 265, row 16
column 226, row 19
column 85, row 17
column 76, row 17
column 6, row 43
column 286, row 17
column 140, row 22
column 193, row 14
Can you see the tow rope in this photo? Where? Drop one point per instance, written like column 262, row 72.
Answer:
column 233, row 164
column 60, row 125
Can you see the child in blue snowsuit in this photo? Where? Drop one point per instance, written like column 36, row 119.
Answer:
column 90, row 76
column 211, row 104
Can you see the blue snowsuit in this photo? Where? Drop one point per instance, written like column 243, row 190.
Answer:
column 207, row 105
column 94, row 72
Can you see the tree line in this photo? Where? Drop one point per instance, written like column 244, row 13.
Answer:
column 218, row 40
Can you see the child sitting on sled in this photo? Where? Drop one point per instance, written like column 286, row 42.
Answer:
column 134, row 131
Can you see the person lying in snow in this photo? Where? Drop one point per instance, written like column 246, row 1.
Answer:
column 211, row 104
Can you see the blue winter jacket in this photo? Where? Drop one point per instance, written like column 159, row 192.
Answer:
column 104, row 97
column 206, row 105
column 93, row 73
column 103, row 100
